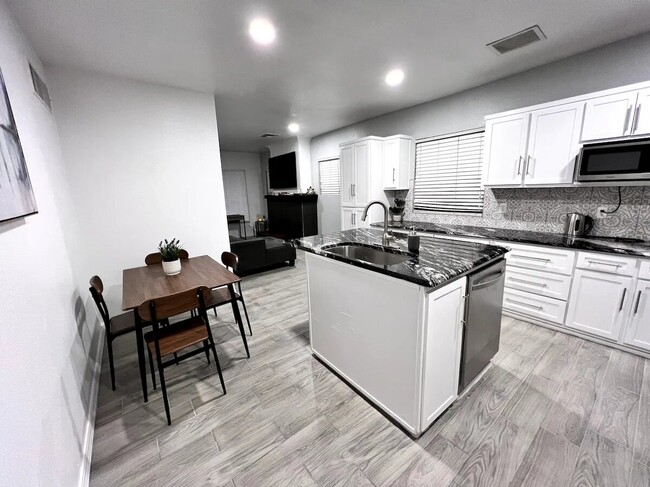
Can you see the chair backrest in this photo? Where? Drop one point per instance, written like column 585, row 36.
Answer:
column 96, row 291
column 156, row 310
column 230, row 260
column 156, row 257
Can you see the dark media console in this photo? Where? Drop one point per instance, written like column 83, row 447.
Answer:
column 292, row 215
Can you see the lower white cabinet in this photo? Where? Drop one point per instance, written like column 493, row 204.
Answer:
column 443, row 341
column 638, row 328
column 599, row 303
column 351, row 218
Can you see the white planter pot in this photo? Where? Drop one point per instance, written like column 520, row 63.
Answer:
column 172, row 268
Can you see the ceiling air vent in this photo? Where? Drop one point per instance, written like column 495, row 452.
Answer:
column 39, row 87
column 520, row 39
column 269, row 134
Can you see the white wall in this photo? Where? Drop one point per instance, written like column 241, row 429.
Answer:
column 45, row 373
column 143, row 162
column 249, row 162
column 617, row 64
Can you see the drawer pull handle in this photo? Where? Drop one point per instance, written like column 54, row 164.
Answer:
column 528, row 282
column 638, row 300
column 525, row 304
column 620, row 308
column 531, row 258
column 604, row 263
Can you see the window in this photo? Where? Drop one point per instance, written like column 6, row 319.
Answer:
column 330, row 177
column 448, row 173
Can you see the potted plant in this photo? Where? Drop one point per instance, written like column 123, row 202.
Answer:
column 170, row 252
column 397, row 211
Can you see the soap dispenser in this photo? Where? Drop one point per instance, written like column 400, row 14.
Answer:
column 413, row 241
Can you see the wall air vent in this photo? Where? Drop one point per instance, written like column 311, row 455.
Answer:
column 39, row 87
column 269, row 134
column 520, row 39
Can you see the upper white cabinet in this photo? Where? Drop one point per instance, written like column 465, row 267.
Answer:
column 359, row 160
column 553, row 145
column 398, row 161
column 609, row 116
column 642, row 113
column 506, row 139
column 533, row 148
column 539, row 145
column 347, row 174
column 638, row 328
column 599, row 303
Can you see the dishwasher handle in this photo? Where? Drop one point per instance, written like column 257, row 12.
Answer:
column 484, row 283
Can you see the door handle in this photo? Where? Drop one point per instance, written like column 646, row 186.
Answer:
column 620, row 308
column 521, row 159
column 638, row 300
column 482, row 284
column 627, row 120
column 354, row 190
column 525, row 304
column 527, row 282
column 528, row 164
column 598, row 262
column 635, row 123
column 393, row 174
column 353, row 218
column 518, row 256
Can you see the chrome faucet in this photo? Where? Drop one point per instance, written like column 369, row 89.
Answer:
column 386, row 237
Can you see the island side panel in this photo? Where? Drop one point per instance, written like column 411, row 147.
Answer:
column 443, row 336
column 368, row 327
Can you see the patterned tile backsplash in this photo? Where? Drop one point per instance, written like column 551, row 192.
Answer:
column 545, row 209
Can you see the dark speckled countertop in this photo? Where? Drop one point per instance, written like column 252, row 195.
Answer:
column 589, row 244
column 437, row 262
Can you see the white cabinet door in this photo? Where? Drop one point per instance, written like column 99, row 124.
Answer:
column 443, row 338
column 348, row 216
column 505, row 147
column 361, row 173
column 553, row 144
column 608, row 116
column 638, row 328
column 642, row 113
column 391, row 162
column 599, row 303
column 347, row 174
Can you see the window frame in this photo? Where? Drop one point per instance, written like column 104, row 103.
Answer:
column 320, row 175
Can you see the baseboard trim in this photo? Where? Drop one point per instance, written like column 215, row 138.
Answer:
column 89, row 429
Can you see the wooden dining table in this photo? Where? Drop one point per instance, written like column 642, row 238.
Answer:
column 141, row 284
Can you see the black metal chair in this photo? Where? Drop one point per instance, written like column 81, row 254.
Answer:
column 116, row 326
column 156, row 257
column 221, row 296
column 175, row 337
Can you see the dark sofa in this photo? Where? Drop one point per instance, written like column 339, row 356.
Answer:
column 261, row 252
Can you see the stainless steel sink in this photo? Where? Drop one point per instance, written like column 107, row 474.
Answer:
column 368, row 254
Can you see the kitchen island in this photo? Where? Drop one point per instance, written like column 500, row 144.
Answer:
column 391, row 322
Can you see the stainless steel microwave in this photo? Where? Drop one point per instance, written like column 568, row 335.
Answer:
column 627, row 160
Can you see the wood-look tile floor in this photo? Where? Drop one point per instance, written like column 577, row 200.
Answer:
column 552, row 410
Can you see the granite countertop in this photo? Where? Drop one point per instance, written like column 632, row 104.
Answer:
column 590, row 244
column 437, row 262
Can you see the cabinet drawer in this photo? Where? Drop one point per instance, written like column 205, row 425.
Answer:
column 539, row 258
column 537, row 282
column 541, row 307
column 613, row 264
column 644, row 273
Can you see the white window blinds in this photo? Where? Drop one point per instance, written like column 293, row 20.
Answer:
column 330, row 177
column 448, row 173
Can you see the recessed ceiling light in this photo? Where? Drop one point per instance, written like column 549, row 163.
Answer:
column 394, row 77
column 293, row 128
column 262, row 31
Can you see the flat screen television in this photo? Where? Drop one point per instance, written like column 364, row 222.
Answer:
column 282, row 171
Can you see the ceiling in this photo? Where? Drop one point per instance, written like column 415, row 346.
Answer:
column 326, row 68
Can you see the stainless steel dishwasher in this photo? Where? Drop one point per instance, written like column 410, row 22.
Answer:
column 482, row 320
